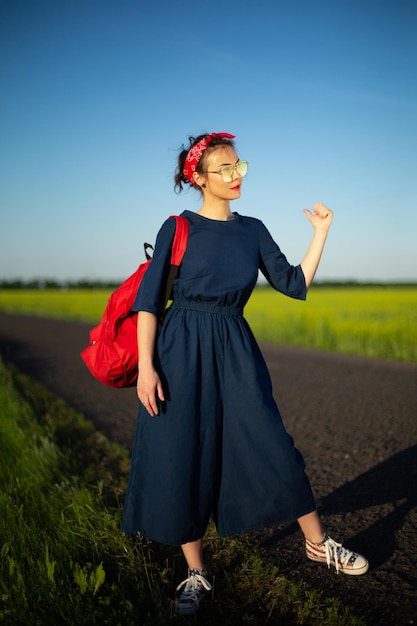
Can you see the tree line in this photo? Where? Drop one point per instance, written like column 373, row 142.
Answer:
column 47, row 283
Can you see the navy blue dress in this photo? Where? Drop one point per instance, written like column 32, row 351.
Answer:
column 218, row 446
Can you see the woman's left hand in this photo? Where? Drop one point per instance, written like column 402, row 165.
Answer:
column 321, row 218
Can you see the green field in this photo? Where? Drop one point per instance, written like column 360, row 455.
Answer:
column 372, row 321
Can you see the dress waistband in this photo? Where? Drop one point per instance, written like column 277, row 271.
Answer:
column 207, row 307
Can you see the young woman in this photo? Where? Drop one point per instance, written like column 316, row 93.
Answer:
column 210, row 440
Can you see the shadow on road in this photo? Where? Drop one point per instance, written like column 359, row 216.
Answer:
column 387, row 492
column 392, row 487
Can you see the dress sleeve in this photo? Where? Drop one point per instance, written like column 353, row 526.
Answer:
column 152, row 288
column 286, row 278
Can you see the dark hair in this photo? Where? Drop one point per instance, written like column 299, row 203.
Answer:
column 180, row 180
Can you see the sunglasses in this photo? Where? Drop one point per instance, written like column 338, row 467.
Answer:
column 241, row 167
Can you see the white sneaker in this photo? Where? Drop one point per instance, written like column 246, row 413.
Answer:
column 195, row 587
column 332, row 553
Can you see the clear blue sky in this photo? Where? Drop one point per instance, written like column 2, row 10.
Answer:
column 97, row 97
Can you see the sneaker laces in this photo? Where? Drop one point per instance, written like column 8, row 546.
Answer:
column 193, row 587
column 337, row 552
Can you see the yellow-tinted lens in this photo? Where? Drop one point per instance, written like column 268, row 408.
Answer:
column 227, row 173
column 242, row 168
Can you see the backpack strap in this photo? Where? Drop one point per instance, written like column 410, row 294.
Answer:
column 179, row 246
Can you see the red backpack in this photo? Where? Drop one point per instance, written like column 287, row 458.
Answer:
column 112, row 356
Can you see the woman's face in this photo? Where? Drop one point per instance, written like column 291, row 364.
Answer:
column 215, row 186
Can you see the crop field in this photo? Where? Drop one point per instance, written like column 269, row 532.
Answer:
column 372, row 321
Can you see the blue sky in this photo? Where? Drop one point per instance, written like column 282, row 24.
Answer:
column 98, row 96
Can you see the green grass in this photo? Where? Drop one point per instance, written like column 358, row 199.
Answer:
column 371, row 321
column 64, row 559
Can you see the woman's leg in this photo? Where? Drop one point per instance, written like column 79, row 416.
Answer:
column 311, row 526
column 196, row 586
column 321, row 548
column 193, row 552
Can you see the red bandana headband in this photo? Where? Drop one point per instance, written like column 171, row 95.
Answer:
column 196, row 152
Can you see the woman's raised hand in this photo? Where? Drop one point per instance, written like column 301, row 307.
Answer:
column 321, row 218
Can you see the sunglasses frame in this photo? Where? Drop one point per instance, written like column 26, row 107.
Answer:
column 227, row 178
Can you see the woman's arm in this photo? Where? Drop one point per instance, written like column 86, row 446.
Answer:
column 321, row 220
column 149, row 386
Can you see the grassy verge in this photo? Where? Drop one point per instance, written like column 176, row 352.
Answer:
column 64, row 559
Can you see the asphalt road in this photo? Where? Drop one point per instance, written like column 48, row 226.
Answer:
column 353, row 418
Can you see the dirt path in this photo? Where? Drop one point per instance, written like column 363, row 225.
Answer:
column 353, row 418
